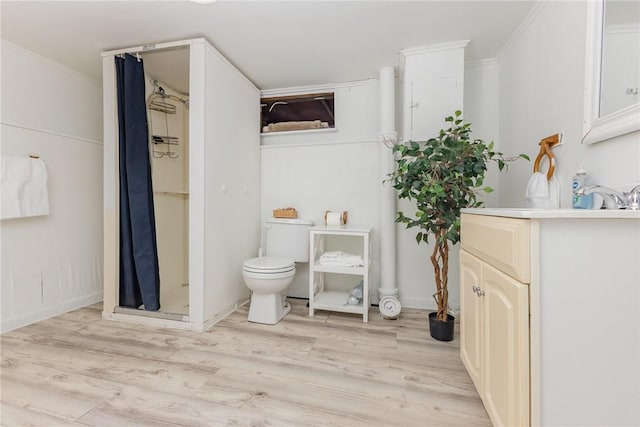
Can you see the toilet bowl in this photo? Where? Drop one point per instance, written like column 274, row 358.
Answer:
column 287, row 242
column 267, row 278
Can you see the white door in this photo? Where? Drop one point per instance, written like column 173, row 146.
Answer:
column 471, row 316
column 505, row 376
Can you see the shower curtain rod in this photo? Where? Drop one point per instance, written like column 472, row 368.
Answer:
column 137, row 55
column 152, row 47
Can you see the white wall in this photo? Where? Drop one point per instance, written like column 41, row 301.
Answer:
column 52, row 264
column 231, row 184
column 433, row 80
column 171, row 205
column 338, row 170
column 481, row 109
column 541, row 93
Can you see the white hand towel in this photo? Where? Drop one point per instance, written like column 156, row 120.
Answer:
column 23, row 185
column 554, row 193
column 537, row 192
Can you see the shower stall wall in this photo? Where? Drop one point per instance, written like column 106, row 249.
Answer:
column 169, row 132
column 215, row 202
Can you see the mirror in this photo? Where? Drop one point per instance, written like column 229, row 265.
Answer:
column 612, row 101
column 620, row 79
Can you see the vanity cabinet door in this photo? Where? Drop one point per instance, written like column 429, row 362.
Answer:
column 471, row 316
column 505, row 359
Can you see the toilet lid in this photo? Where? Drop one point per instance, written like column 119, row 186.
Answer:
column 268, row 265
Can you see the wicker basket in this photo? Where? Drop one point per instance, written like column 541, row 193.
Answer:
column 285, row 213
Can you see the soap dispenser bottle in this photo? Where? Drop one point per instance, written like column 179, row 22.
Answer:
column 581, row 179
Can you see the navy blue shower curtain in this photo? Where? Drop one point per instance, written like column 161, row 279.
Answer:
column 139, row 273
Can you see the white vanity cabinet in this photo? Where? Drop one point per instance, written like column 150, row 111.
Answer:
column 321, row 297
column 550, row 315
column 494, row 317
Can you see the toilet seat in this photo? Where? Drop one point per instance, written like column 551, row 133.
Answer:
column 268, row 265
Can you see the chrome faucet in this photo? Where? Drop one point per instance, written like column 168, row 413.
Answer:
column 613, row 198
column 633, row 198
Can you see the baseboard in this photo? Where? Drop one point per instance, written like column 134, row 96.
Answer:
column 223, row 313
column 56, row 310
column 297, row 293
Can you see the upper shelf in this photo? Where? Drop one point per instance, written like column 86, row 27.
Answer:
column 339, row 230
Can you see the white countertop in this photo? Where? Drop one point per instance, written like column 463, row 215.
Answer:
column 554, row 213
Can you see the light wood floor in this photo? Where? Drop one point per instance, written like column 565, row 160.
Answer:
column 329, row 370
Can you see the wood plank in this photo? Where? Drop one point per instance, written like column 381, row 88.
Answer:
column 123, row 369
column 156, row 409
column 330, row 369
column 300, row 401
column 14, row 416
column 35, row 395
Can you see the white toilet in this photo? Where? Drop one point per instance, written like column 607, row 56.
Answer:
column 287, row 242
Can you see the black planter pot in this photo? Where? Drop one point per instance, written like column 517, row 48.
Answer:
column 441, row 331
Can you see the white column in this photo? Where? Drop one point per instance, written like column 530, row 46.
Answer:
column 388, row 291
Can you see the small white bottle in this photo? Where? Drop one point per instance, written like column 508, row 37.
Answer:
column 581, row 179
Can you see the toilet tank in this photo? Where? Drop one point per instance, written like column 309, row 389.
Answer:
column 288, row 238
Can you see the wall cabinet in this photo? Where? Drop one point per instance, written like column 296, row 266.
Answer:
column 432, row 88
column 550, row 315
column 321, row 297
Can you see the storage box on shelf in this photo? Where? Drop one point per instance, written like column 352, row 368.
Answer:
column 320, row 296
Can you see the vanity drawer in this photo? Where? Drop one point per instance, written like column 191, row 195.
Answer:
column 502, row 242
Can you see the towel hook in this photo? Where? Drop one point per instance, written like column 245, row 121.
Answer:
column 546, row 144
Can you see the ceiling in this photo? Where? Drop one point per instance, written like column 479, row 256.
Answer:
column 275, row 43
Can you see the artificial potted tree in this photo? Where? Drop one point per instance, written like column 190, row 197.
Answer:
column 442, row 175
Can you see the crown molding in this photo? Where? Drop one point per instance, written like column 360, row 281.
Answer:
column 434, row 48
column 477, row 63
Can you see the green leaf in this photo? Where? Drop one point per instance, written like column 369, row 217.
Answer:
column 440, row 176
column 524, row 156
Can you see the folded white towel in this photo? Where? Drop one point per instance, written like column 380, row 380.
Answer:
column 23, row 184
column 537, row 192
column 341, row 259
column 335, row 254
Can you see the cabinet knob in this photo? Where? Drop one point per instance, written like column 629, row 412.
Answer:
column 477, row 290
